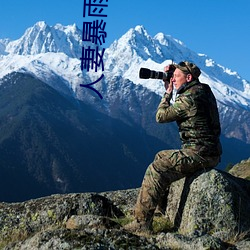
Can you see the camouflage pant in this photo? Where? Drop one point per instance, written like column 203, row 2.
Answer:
column 167, row 167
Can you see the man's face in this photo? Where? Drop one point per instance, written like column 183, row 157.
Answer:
column 179, row 78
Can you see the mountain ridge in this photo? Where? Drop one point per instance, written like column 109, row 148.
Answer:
column 42, row 38
column 122, row 123
column 55, row 144
column 133, row 50
column 63, row 72
column 168, row 50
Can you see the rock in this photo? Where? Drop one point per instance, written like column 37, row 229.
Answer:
column 212, row 202
column 63, row 239
column 243, row 245
column 90, row 221
column 124, row 199
column 178, row 241
column 241, row 169
column 209, row 211
column 21, row 220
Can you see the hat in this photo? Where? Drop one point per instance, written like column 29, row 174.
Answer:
column 189, row 68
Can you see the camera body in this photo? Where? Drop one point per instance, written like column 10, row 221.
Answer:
column 146, row 73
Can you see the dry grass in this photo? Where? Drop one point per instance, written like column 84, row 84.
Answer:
column 239, row 237
column 160, row 223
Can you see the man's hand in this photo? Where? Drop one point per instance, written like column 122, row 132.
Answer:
column 168, row 85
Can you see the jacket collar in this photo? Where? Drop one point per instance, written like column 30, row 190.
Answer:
column 187, row 85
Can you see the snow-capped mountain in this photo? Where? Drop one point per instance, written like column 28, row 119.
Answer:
column 51, row 137
column 44, row 50
column 41, row 38
column 52, row 54
column 137, row 49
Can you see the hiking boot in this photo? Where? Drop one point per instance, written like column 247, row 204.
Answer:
column 140, row 227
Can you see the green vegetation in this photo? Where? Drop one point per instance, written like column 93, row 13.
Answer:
column 160, row 223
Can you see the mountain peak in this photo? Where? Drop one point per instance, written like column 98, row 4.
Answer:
column 167, row 40
column 67, row 29
column 134, row 35
column 42, row 38
column 41, row 24
column 135, row 49
column 140, row 29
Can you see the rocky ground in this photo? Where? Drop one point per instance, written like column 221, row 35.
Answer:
column 208, row 211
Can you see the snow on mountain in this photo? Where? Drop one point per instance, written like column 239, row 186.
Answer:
column 45, row 66
column 46, row 50
column 137, row 49
column 3, row 43
column 41, row 38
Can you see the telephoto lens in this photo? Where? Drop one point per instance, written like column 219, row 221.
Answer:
column 145, row 73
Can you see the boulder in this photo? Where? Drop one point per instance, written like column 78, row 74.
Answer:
column 210, row 202
column 24, row 219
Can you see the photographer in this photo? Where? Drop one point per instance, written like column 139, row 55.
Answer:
column 195, row 111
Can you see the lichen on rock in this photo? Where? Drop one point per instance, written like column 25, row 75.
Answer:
column 211, row 202
column 209, row 210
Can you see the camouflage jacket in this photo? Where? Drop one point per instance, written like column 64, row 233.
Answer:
column 196, row 113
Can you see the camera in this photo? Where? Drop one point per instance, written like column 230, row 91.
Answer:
column 145, row 73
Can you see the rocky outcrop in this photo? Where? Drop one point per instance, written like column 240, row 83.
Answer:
column 241, row 169
column 210, row 202
column 209, row 210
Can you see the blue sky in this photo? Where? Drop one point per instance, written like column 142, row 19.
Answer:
column 218, row 28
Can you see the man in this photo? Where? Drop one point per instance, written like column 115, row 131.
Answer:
column 195, row 111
